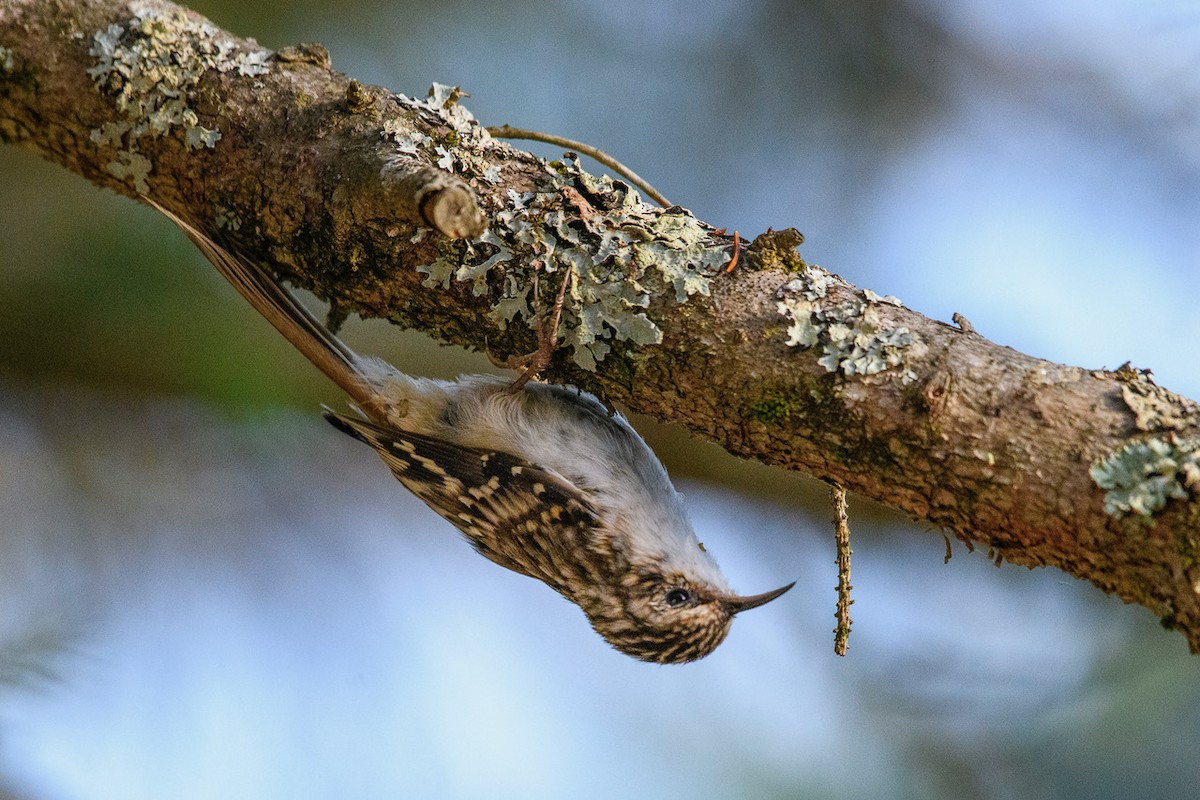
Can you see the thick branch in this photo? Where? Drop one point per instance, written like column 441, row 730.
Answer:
column 368, row 197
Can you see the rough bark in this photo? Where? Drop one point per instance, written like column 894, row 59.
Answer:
column 370, row 198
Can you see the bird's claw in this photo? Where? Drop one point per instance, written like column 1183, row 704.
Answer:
column 531, row 365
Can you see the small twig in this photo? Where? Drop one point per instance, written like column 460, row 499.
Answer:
column 509, row 132
column 737, row 250
column 841, row 525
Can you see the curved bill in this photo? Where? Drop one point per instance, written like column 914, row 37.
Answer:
column 736, row 604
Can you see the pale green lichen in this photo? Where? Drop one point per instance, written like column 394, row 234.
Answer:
column 461, row 151
column 853, row 337
column 130, row 165
column 593, row 232
column 1142, row 476
column 149, row 66
column 6, row 59
column 226, row 218
column 1155, row 408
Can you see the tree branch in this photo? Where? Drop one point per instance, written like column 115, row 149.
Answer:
column 406, row 209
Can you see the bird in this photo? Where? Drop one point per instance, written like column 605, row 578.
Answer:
column 540, row 478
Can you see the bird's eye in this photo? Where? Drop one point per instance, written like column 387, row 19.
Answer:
column 677, row 597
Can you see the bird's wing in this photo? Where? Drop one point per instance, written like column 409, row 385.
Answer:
column 517, row 514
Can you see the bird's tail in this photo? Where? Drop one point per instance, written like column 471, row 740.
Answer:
column 284, row 311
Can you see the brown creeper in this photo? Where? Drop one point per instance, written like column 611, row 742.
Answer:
column 542, row 480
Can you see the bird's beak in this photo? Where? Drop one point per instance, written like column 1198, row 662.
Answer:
column 737, row 604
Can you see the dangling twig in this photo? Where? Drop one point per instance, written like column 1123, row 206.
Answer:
column 841, row 525
column 509, row 132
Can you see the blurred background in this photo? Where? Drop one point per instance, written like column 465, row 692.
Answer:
column 207, row 592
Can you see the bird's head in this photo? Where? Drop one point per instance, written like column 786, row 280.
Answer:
column 668, row 619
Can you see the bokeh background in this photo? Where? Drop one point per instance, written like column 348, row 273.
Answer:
column 206, row 592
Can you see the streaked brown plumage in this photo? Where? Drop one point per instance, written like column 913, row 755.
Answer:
column 543, row 481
